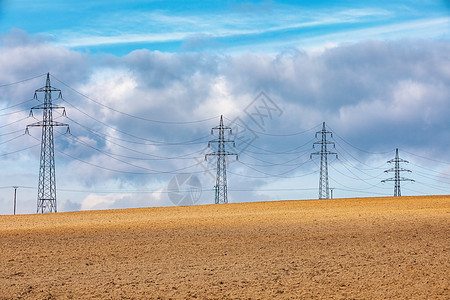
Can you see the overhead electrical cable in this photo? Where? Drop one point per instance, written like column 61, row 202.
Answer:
column 280, row 175
column 12, row 139
column 17, row 121
column 371, row 167
column 269, row 175
column 126, row 156
column 133, row 116
column 151, row 171
column 270, row 152
column 18, row 104
column 364, row 192
column 12, row 132
column 433, row 177
column 331, row 178
column 155, row 157
column 272, row 134
column 269, row 163
column 431, row 159
column 150, row 142
column 341, row 159
column 272, row 164
column 20, row 150
column 362, row 150
column 21, row 81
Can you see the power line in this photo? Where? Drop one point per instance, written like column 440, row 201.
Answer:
column 149, row 142
column 9, row 124
column 287, row 152
column 280, row 175
column 110, row 155
column 21, row 81
column 151, row 171
column 108, row 139
column 379, row 167
column 431, row 159
column 186, row 156
column 270, row 176
column 396, row 170
column 19, row 104
column 288, row 163
column 270, row 163
column 12, row 132
column 360, row 191
column 275, row 135
column 17, row 151
column 359, row 149
column 133, row 116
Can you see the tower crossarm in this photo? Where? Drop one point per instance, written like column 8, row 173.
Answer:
column 395, row 179
column 397, row 160
column 395, row 170
column 323, row 153
column 46, row 106
column 221, row 153
column 48, row 88
column 221, row 141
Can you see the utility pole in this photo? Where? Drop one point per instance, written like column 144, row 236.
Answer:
column 221, row 194
column 46, row 200
column 15, row 197
column 324, row 191
column 396, row 169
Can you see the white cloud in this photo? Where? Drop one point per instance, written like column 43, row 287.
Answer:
column 103, row 201
column 171, row 28
column 377, row 95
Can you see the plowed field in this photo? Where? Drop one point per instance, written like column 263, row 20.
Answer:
column 366, row 248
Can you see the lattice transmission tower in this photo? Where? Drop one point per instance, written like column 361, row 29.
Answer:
column 221, row 190
column 46, row 200
column 324, row 190
column 397, row 169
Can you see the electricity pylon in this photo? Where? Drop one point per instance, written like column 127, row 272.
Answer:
column 324, row 191
column 46, row 200
column 396, row 169
column 221, row 193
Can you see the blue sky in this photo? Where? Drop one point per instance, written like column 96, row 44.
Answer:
column 143, row 83
column 119, row 27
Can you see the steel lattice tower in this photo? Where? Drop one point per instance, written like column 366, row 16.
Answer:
column 221, row 193
column 46, row 200
column 396, row 169
column 324, row 191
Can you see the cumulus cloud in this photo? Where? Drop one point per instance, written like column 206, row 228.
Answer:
column 377, row 95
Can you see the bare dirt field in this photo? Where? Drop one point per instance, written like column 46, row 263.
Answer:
column 366, row 248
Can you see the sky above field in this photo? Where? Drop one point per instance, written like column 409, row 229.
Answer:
column 143, row 83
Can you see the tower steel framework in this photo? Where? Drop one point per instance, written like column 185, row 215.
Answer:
column 221, row 189
column 46, row 200
column 324, row 190
column 397, row 169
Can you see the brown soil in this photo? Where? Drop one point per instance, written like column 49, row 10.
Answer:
column 369, row 248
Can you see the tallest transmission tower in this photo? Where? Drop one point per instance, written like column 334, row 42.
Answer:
column 46, row 201
column 324, row 190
